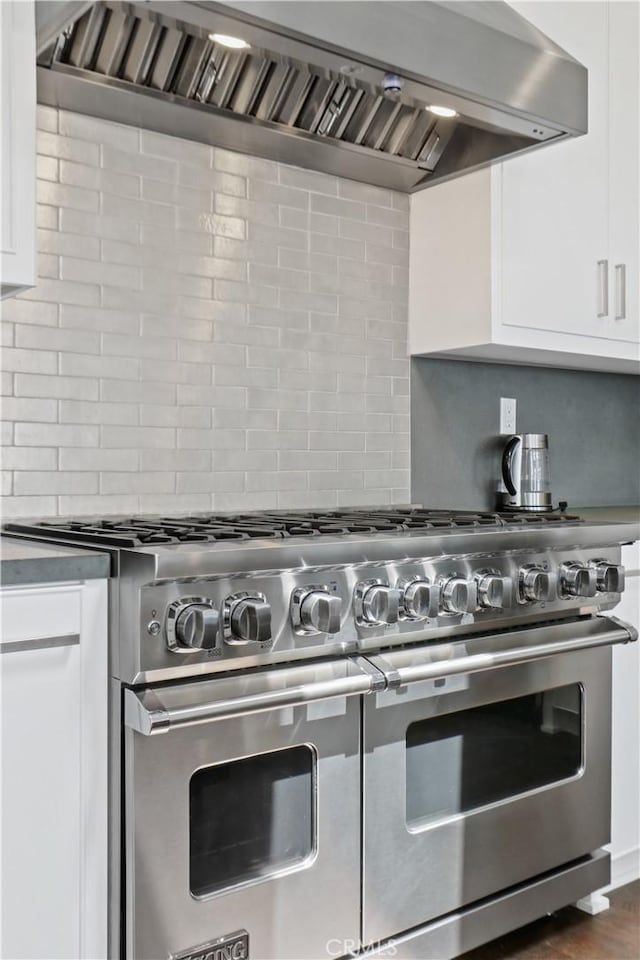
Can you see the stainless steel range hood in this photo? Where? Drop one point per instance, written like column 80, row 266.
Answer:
column 344, row 87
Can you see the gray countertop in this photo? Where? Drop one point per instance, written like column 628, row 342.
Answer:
column 628, row 514
column 28, row 561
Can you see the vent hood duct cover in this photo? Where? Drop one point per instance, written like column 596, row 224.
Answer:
column 343, row 87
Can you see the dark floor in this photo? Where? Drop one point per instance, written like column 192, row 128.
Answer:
column 570, row 934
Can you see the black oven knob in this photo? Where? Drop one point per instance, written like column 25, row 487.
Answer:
column 494, row 591
column 459, row 595
column 420, row 599
column 610, row 576
column 578, row 580
column 377, row 604
column 535, row 584
column 247, row 619
column 192, row 625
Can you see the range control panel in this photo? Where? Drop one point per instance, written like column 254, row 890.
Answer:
column 277, row 616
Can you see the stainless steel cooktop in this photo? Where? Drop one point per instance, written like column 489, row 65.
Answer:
column 139, row 531
column 203, row 593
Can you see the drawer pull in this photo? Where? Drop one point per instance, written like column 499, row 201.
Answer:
column 40, row 643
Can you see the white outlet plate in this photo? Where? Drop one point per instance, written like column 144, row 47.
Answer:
column 507, row 415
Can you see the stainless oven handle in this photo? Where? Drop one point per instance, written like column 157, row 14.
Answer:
column 442, row 667
column 145, row 712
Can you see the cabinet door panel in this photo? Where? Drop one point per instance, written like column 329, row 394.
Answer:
column 624, row 164
column 40, row 801
column 554, row 213
column 18, row 147
column 625, row 825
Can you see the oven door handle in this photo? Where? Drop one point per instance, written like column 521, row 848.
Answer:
column 148, row 713
column 448, row 660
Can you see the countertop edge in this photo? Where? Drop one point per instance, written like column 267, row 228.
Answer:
column 61, row 566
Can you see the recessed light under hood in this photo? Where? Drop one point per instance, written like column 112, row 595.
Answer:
column 348, row 87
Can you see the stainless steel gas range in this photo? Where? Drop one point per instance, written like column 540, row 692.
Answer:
column 367, row 732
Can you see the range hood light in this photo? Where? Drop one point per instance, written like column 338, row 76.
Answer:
column 442, row 111
column 235, row 43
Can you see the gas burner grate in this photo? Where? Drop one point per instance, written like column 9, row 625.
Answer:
column 142, row 531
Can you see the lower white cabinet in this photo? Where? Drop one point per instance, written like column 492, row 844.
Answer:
column 54, row 721
column 625, row 810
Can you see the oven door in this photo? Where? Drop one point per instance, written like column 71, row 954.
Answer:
column 486, row 762
column 242, row 813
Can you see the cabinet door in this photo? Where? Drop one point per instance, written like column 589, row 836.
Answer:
column 40, row 685
column 625, row 789
column 18, row 147
column 53, row 809
column 554, row 208
column 624, row 163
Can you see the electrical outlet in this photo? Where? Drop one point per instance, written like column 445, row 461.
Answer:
column 507, row 415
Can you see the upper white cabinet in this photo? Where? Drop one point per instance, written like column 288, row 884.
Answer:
column 536, row 259
column 18, row 147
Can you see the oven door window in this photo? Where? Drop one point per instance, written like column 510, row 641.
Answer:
column 251, row 818
column 468, row 759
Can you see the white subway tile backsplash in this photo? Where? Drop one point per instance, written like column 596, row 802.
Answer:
column 137, row 437
column 79, row 411
column 29, row 458
column 54, row 482
column 28, row 507
column 93, row 129
column 79, row 458
column 73, row 388
column 158, row 145
column 67, row 148
column 46, row 118
column 209, row 331
column 47, row 217
column 42, row 435
column 245, row 166
column 29, row 361
column 25, row 408
column 47, row 168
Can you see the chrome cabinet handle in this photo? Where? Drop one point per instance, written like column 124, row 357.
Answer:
column 603, row 288
column 40, row 643
column 621, row 291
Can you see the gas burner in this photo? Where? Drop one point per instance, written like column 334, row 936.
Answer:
column 142, row 531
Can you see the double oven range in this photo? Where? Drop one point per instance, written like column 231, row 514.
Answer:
column 367, row 732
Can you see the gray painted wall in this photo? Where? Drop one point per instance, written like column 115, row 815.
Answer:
column 592, row 420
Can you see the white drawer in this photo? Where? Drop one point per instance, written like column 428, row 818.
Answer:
column 50, row 610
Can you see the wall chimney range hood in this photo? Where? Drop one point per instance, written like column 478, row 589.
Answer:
column 398, row 94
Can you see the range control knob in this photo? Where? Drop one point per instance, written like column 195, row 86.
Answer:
column 459, row 595
column 578, row 580
column 420, row 599
column 494, row 591
column 192, row 625
column 535, row 584
column 247, row 619
column 377, row 603
column 610, row 577
column 316, row 610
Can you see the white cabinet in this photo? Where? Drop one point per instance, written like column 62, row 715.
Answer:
column 625, row 800
column 536, row 259
column 53, row 685
column 18, row 147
